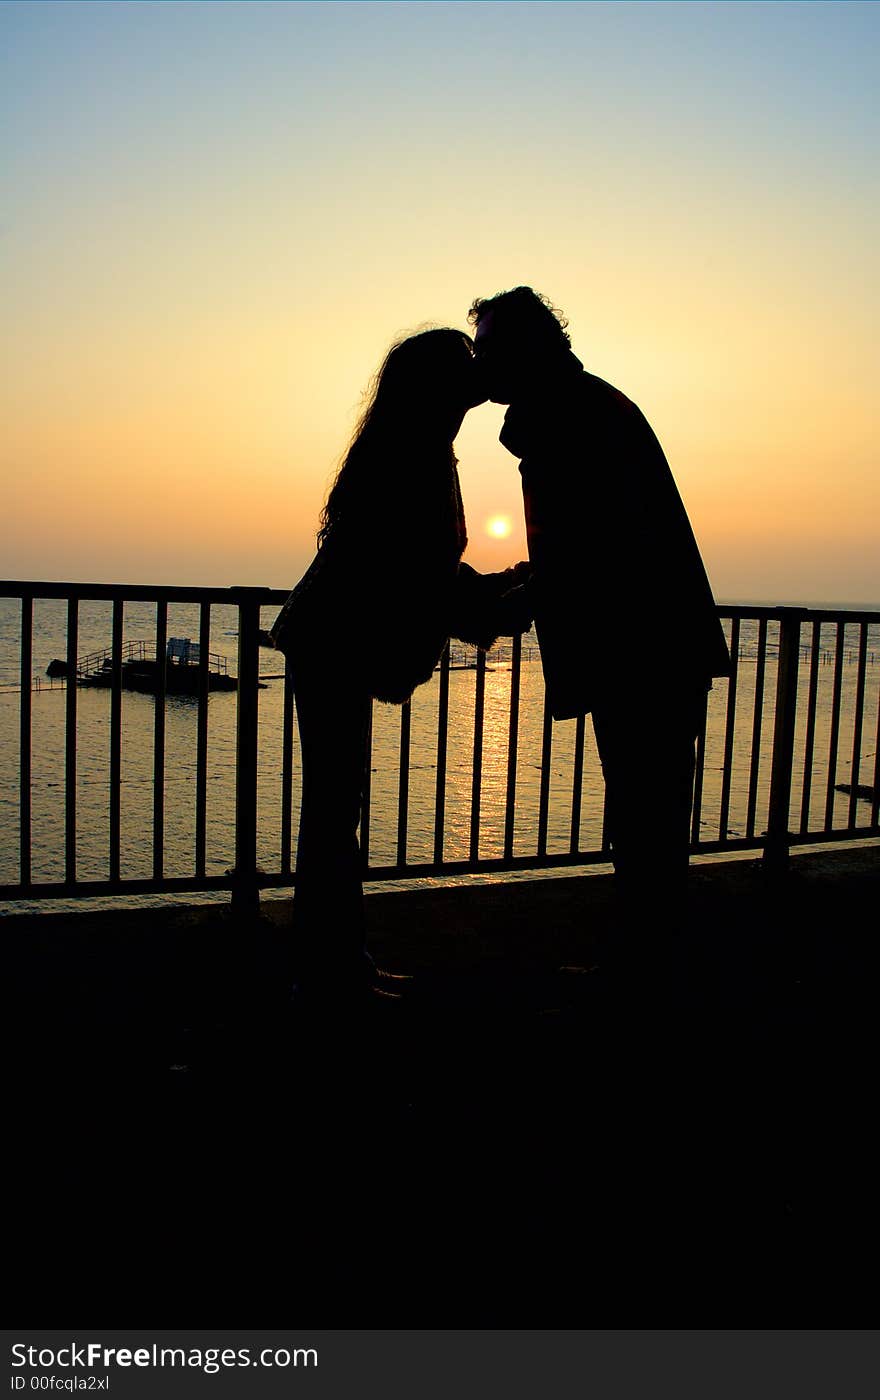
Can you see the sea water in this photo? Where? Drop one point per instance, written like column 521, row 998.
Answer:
column 138, row 717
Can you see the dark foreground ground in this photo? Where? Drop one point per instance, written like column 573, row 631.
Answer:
column 518, row 1144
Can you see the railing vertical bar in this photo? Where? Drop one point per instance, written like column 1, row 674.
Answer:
column 246, row 890
column 159, row 741
column 605, row 840
column 875, row 805
column 476, row 786
column 729, row 731
column 512, row 745
column 834, row 736
column 544, row 789
column 25, row 740
column 858, row 720
column 606, row 824
column 778, row 842
column 442, row 745
column 366, row 791
column 699, row 771
column 577, row 783
column 757, row 721
column 202, row 740
column 810, row 736
column 403, row 781
column 70, row 741
column 287, row 772
column 116, row 739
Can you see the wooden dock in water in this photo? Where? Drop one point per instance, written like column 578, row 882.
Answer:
column 139, row 670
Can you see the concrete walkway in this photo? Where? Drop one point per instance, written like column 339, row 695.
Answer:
column 518, row 1143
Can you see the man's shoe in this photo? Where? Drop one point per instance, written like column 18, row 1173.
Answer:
column 392, row 984
column 325, row 995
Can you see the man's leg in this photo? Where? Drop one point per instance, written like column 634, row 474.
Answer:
column 647, row 748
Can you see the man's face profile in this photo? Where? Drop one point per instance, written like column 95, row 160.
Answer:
column 491, row 360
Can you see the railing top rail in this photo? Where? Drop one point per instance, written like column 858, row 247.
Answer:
column 150, row 593
column 172, row 592
column 756, row 611
column 139, row 592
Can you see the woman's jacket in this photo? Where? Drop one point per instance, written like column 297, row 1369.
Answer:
column 387, row 587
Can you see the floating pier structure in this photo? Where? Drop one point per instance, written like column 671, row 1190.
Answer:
column 139, row 668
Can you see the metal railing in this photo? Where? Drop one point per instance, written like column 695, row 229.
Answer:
column 786, row 653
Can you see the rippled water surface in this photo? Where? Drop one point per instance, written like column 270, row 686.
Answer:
column 138, row 714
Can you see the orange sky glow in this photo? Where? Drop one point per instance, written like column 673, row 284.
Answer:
column 222, row 215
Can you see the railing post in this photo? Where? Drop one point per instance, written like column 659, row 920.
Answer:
column 776, row 847
column 245, row 889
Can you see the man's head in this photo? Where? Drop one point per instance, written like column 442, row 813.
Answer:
column 517, row 338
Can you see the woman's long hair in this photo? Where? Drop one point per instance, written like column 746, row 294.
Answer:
column 420, row 385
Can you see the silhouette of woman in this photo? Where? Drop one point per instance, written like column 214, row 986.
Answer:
column 370, row 618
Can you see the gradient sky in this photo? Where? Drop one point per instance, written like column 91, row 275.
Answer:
column 216, row 217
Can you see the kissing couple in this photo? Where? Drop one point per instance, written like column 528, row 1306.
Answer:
column 625, row 618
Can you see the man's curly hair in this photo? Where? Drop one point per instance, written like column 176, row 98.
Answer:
column 523, row 310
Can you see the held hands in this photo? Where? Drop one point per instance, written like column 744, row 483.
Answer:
column 519, row 574
column 514, row 612
column 514, row 608
column 489, row 606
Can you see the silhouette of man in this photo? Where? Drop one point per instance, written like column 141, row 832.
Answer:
column 624, row 613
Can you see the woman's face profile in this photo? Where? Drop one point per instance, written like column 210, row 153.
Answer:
column 462, row 389
column 476, row 391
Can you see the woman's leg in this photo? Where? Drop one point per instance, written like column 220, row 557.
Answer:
column 328, row 914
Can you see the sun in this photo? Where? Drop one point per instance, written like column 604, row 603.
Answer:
column 499, row 526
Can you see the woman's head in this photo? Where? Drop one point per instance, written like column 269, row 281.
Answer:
column 418, row 398
column 426, row 382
